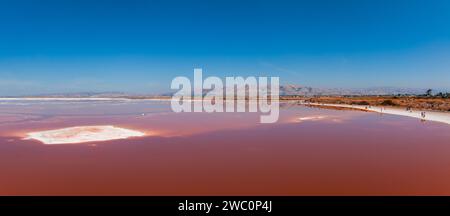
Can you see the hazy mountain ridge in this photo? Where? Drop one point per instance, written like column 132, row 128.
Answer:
column 285, row 90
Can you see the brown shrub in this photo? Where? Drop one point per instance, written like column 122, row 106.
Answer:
column 388, row 103
column 361, row 103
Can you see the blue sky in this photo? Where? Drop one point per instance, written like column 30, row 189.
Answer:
column 140, row 46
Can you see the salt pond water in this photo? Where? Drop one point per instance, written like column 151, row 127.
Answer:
column 309, row 151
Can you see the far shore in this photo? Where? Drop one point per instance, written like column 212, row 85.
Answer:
column 77, row 98
column 424, row 108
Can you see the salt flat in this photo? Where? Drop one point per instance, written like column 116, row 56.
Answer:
column 82, row 134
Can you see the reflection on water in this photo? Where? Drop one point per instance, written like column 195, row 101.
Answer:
column 309, row 151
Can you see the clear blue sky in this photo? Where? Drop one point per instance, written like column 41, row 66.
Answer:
column 139, row 46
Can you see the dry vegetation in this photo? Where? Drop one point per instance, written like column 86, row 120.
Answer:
column 415, row 102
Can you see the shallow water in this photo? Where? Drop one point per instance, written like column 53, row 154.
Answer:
column 339, row 153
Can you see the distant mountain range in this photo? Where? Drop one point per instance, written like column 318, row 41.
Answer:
column 285, row 90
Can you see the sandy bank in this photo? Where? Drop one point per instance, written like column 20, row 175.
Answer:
column 436, row 116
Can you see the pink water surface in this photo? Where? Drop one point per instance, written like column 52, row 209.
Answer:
column 345, row 153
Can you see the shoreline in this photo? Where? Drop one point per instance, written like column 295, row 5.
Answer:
column 79, row 99
column 429, row 115
column 436, row 116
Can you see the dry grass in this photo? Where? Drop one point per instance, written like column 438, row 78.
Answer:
column 416, row 102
